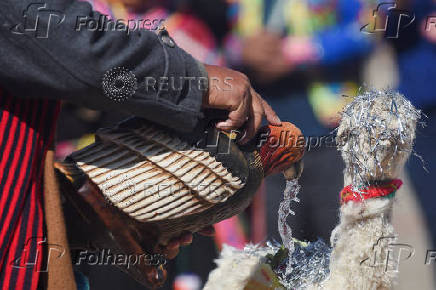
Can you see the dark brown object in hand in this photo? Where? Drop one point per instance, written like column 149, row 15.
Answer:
column 140, row 185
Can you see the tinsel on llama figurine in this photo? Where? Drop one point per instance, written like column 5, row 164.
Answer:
column 375, row 137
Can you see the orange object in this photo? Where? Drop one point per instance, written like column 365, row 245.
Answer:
column 281, row 147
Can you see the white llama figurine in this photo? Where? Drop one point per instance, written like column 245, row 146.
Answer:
column 375, row 138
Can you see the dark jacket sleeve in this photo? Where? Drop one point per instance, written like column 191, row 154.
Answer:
column 47, row 50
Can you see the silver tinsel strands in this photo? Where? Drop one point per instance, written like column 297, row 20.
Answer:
column 367, row 134
column 375, row 137
column 309, row 265
column 377, row 131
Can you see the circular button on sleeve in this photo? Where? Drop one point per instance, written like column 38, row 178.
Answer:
column 166, row 39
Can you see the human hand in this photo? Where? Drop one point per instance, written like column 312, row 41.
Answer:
column 258, row 49
column 157, row 276
column 171, row 250
column 231, row 90
column 300, row 50
column 263, row 53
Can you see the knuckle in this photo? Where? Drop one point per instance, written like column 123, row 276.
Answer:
column 245, row 86
column 238, row 121
column 244, row 81
column 243, row 77
column 249, row 134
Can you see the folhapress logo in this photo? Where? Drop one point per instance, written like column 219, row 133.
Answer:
column 394, row 19
column 37, row 20
column 387, row 253
column 31, row 254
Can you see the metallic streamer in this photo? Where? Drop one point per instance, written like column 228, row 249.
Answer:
column 377, row 127
column 382, row 122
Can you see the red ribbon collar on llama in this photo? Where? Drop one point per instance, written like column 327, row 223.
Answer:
column 382, row 190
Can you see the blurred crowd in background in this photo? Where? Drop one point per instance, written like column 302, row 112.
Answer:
column 307, row 58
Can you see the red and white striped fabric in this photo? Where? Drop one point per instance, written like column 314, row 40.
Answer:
column 26, row 131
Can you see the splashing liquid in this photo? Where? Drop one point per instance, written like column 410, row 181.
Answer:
column 290, row 194
column 307, row 263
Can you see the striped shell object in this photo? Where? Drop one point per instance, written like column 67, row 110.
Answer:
column 152, row 175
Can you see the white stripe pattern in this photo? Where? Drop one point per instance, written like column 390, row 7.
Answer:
column 151, row 175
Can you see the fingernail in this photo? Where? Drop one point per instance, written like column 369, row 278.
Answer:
column 222, row 125
column 243, row 140
column 187, row 239
column 277, row 119
column 173, row 244
column 210, row 231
